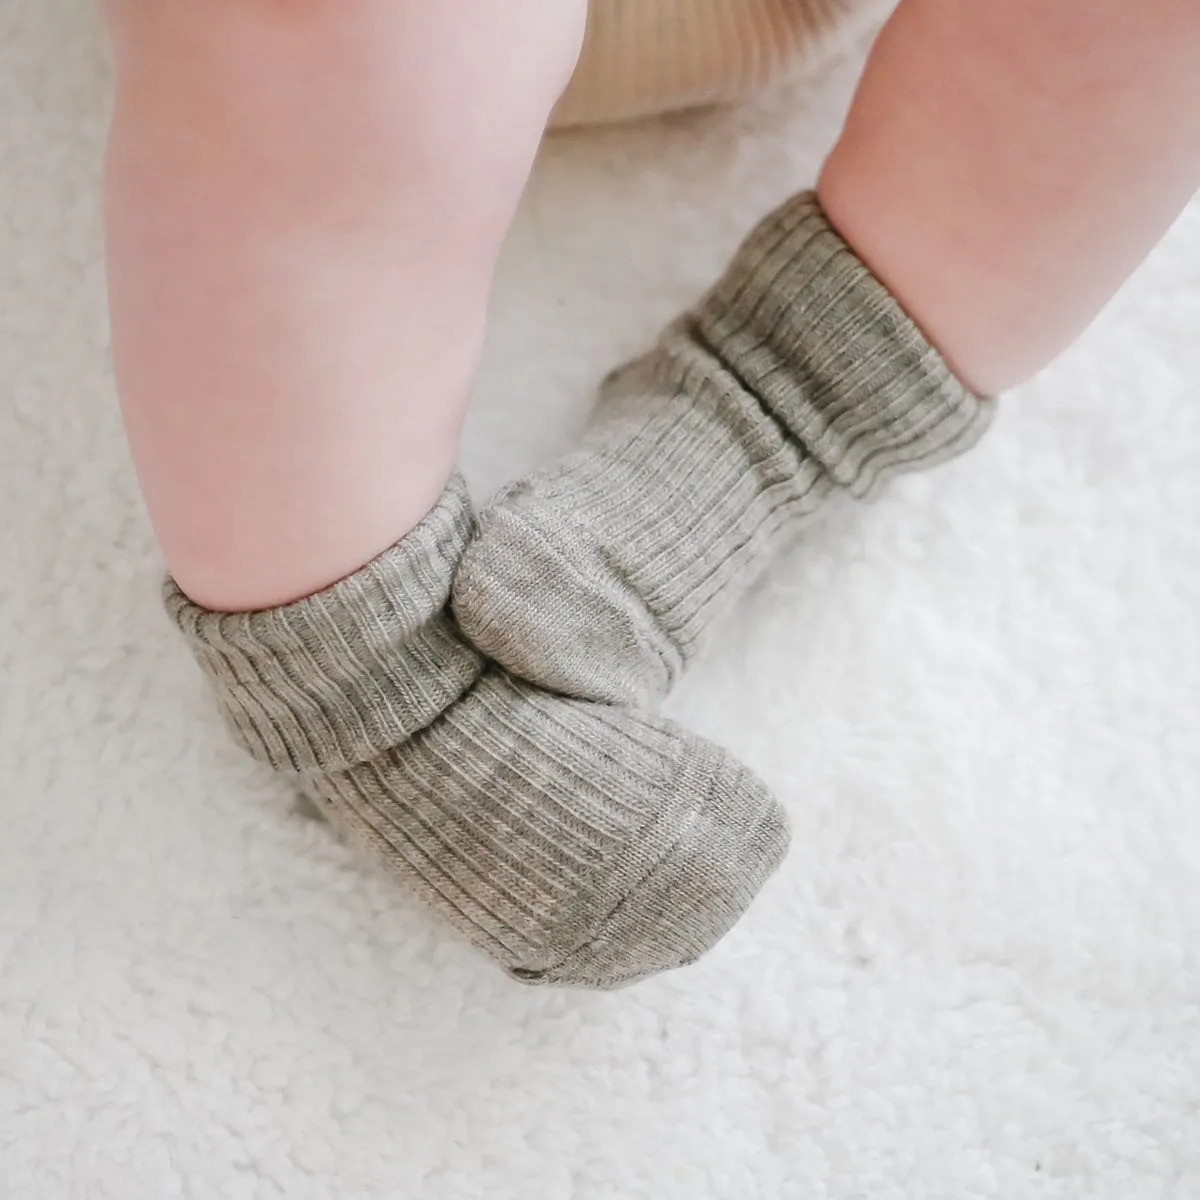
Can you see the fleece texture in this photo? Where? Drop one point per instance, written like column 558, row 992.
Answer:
column 977, row 974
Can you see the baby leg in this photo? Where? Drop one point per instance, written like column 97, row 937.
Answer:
column 305, row 204
column 1004, row 167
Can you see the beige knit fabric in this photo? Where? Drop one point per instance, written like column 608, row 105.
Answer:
column 647, row 56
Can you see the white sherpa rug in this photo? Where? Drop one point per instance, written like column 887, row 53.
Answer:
column 978, row 974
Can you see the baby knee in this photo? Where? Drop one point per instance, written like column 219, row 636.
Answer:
column 428, row 89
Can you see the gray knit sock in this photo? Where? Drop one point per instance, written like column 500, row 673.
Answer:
column 797, row 378
column 575, row 843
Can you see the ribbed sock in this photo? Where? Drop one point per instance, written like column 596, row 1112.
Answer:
column 798, row 378
column 575, row 843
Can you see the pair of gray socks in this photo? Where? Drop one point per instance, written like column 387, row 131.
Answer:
column 471, row 706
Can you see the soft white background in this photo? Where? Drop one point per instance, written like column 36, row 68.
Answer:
column 977, row 975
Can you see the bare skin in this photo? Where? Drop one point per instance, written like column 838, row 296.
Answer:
column 1006, row 166
column 306, row 203
column 304, row 209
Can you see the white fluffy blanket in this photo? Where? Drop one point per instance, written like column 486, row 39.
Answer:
column 977, row 975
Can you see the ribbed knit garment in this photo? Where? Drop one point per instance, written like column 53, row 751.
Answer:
column 797, row 379
column 575, row 843
column 648, row 56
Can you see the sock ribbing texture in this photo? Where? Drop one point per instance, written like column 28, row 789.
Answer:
column 797, row 379
column 575, row 843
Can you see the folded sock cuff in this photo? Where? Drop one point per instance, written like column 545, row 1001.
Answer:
column 803, row 323
column 335, row 679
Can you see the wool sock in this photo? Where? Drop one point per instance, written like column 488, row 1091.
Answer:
column 798, row 378
column 575, row 843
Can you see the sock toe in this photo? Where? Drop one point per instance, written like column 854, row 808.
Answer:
column 720, row 857
column 537, row 595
